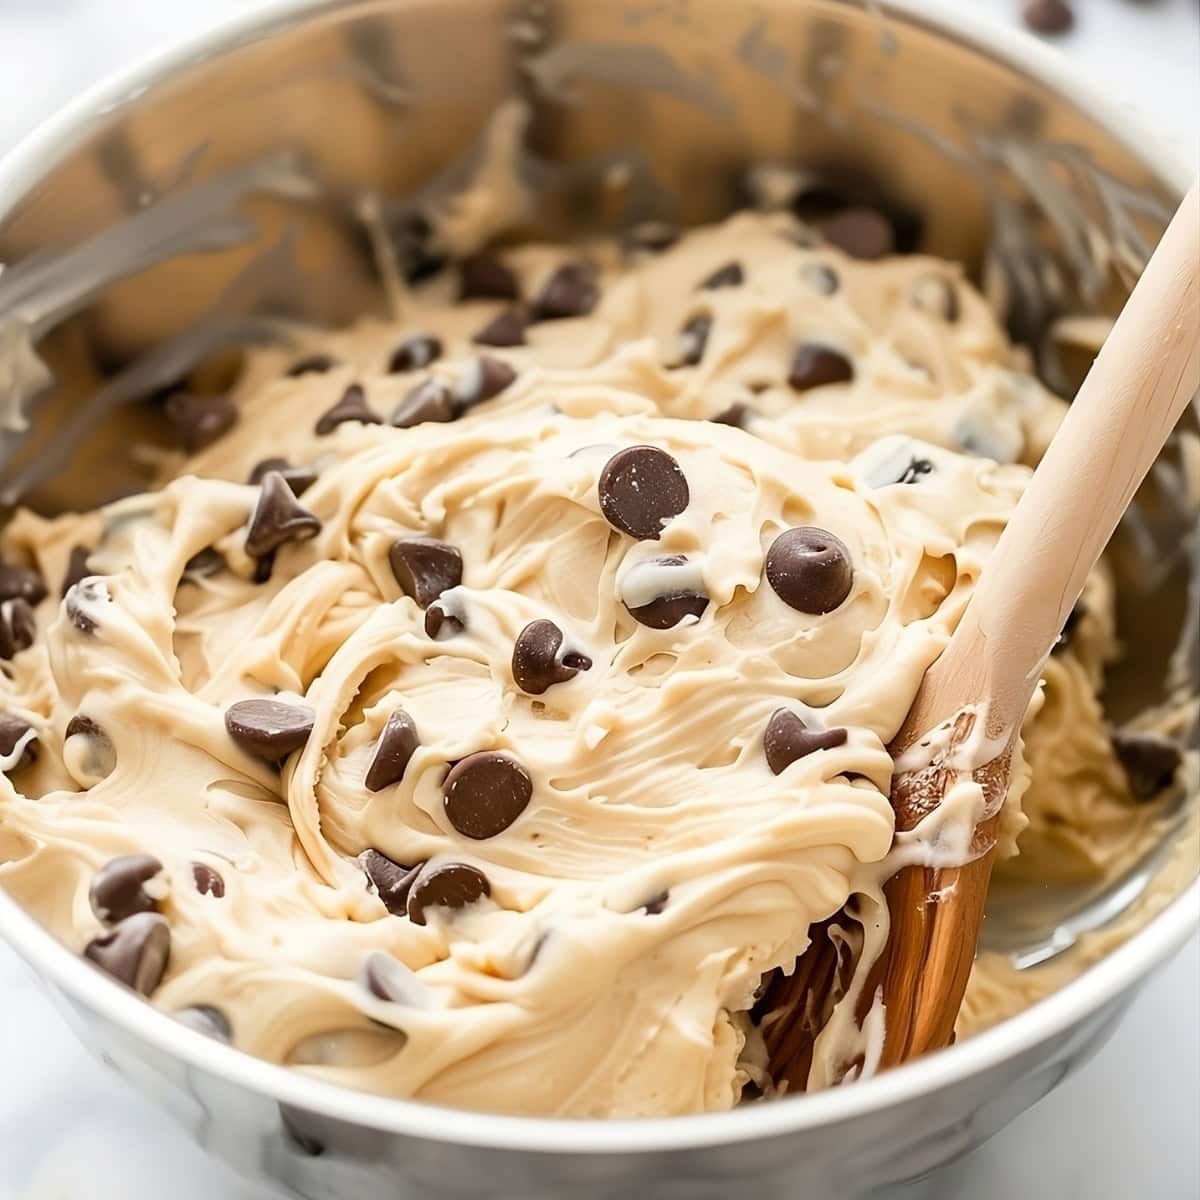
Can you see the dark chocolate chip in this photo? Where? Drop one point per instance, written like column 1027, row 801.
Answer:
column 537, row 661
column 116, row 891
column 80, row 602
column 85, row 726
column 915, row 470
column 135, row 952
column 425, row 568
column 810, row 569
column 1150, row 761
column 485, row 793
column 656, row 903
column 483, row 276
column 571, row 291
column 208, row 880
column 12, row 730
column 430, row 400
column 211, row 1022
column 199, row 420
column 484, row 378
column 1048, row 16
column 391, row 881
column 506, row 329
column 641, row 488
column 18, row 627
column 312, row 364
column 454, row 885
column 204, row 564
column 396, row 745
column 653, row 237
column 269, row 729
column 936, row 296
column 21, row 583
column 77, row 568
column 299, row 479
column 415, row 352
column 820, row 278
column 737, row 414
column 787, row 738
column 860, row 232
column 353, row 407
column 441, row 623
column 814, row 365
column 693, row 339
column 263, row 566
column 278, row 518
column 1069, row 627
column 730, row 275
column 665, row 612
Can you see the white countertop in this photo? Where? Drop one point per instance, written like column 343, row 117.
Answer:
column 1124, row 1126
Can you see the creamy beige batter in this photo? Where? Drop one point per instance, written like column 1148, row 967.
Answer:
column 639, row 858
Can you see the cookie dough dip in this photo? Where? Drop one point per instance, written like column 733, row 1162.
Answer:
column 487, row 700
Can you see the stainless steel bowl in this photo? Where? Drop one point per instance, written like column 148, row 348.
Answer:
column 233, row 175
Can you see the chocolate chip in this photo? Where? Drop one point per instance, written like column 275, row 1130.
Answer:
column 211, row 1022
column 656, row 903
column 116, row 891
column 269, row 729
column 737, row 414
column 18, row 627
column 653, row 237
column 80, row 603
column 484, row 378
column 665, row 612
column 415, row 352
column 693, row 340
column 208, row 880
column 204, row 564
column 454, row 885
column 483, row 276
column 441, row 622
column 313, row 364
column 661, row 592
column 430, row 400
column 199, row 420
column 730, row 275
column 936, row 296
column 1150, row 761
column 506, row 329
column 787, row 738
column 135, row 952
column 641, row 488
column 915, row 470
column 79, row 724
column 12, row 730
column 278, row 518
column 1048, row 16
column 814, row 365
column 810, row 569
column 537, row 662
column 425, row 568
column 21, row 583
column 485, row 793
column 77, row 568
column 352, row 406
column 820, row 278
column 391, row 881
column 299, row 479
column 263, row 566
column 570, row 292
column 397, row 744
column 860, row 232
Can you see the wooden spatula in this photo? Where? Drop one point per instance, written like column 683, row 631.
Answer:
column 973, row 698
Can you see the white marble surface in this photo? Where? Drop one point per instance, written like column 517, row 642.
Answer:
column 1125, row 1126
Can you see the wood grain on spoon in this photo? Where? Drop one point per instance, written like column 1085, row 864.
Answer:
column 1138, row 387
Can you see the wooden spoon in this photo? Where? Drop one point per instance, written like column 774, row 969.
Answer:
column 973, row 698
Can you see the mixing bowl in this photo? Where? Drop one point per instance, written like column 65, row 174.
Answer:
column 256, row 172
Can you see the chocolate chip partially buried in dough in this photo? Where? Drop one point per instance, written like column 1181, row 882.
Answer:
column 483, row 379
column 82, row 601
column 204, row 564
column 21, row 583
column 391, row 881
column 269, row 729
column 18, row 627
column 1150, row 761
column 77, row 568
column 536, row 661
column 430, row 400
column 915, row 470
column 135, row 952
column 312, row 364
column 641, row 488
column 12, row 730
column 396, row 745
column 655, row 905
column 653, row 237
column 116, row 890
column 787, row 738
column 208, row 880
column 299, row 479
column 814, row 365
column 860, row 232
column 453, row 885
column 415, row 352
column 693, row 340
column 485, row 793
column 441, row 621
column 571, row 291
column 810, row 569
column 678, row 596
column 198, row 421
column 737, row 415
column 730, row 275
column 205, row 1019
column 424, row 567
column 483, row 276
column 352, row 407
column 278, row 518
column 936, row 296
column 505, row 329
